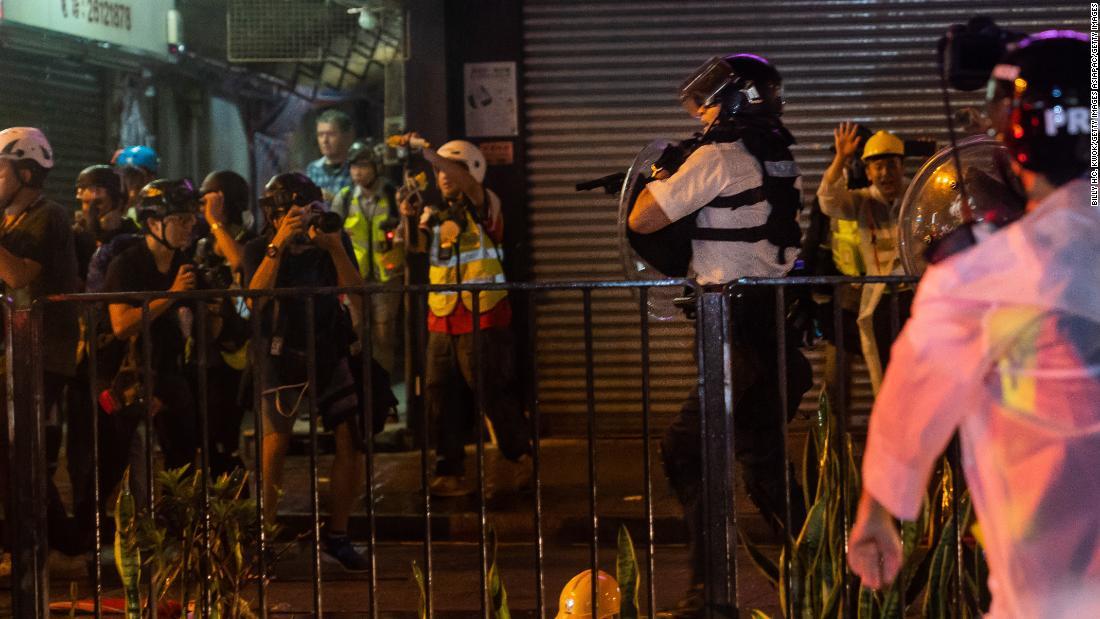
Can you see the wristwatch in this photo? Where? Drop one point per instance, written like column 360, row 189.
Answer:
column 272, row 250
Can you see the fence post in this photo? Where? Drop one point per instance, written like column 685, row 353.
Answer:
column 26, row 522
column 716, row 421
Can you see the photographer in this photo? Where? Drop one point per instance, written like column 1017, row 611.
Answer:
column 873, row 212
column 102, row 215
column 742, row 186
column 1003, row 347
column 370, row 214
column 305, row 247
column 462, row 238
column 37, row 259
column 167, row 212
column 218, row 259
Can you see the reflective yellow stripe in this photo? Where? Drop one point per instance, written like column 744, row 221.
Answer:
column 480, row 262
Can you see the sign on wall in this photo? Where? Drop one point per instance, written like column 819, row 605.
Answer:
column 140, row 24
column 489, row 99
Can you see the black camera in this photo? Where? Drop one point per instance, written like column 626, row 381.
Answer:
column 212, row 271
column 324, row 221
column 969, row 52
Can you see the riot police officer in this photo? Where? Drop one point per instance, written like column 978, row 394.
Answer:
column 741, row 185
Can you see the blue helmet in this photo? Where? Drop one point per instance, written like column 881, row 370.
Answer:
column 138, row 156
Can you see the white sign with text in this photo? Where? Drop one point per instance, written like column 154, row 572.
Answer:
column 140, row 24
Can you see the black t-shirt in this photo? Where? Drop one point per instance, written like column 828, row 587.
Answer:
column 43, row 233
column 87, row 243
column 135, row 270
column 311, row 268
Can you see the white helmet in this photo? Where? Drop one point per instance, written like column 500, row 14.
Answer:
column 20, row 143
column 470, row 154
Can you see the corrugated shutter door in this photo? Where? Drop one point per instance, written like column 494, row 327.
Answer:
column 600, row 82
column 65, row 100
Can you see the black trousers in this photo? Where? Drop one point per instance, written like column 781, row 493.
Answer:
column 176, row 428
column 451, row 357
column 758, row 422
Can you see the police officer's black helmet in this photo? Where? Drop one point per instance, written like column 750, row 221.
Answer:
column 101, row 175
column 1039, row 103
column 743, row 84
column 289, row 189
column 164, row 197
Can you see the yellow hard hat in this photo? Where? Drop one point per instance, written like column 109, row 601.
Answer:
column 883, row 144
column 576, row 597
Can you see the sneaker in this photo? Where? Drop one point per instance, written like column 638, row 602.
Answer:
column 450, row 486
column 339, row 549
column 510, row 478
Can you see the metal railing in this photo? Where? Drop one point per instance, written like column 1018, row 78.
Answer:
column 714, row 322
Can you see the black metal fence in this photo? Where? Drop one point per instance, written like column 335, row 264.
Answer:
column 26, row 508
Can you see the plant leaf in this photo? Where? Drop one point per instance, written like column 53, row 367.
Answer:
column 628, row 575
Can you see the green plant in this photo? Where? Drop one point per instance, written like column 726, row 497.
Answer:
column 179, row 545
column 627, row 575
column 811, row 574
column 498, row 596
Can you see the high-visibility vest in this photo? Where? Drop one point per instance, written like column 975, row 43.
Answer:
column 847, row 255
column 379, row 258
column 479, row 259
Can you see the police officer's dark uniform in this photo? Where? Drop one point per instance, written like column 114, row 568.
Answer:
column 741, row 186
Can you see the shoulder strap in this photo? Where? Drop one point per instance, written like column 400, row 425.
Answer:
column 737, row 200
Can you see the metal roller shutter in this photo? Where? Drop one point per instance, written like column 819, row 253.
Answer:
column 600, row 82
column 65, row 100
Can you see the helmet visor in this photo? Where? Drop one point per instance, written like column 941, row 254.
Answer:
column 701, row 88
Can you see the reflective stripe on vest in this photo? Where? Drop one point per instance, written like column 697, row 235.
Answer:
column 363, row 232
column 480, row 263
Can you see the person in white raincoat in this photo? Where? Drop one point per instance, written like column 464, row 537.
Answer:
column 1004, row 347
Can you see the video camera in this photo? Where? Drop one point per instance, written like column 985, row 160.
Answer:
column 968, row 52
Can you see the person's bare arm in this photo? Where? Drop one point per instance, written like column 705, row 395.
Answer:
column 126, row 319
column 17, row 272
column 266, row 274
column 347, row 275
column 214, row 211
column 837, row 201
column 647, row 217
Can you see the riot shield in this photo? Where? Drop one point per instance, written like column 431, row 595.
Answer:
column 932, row 205
column 634, row 266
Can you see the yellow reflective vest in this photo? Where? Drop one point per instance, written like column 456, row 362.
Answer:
column 379, row 258
column 847, row 255
column 473, row 259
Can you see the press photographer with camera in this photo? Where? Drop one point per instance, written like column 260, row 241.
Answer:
column 218, row 256
column 305, row 246
column 1003, row 347
column 873, row 212
column 167, row 211
column 462, row 238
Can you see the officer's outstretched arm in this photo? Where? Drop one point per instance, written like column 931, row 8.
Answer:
column 647, row 215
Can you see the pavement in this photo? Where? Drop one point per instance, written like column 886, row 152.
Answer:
column 565, row 528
